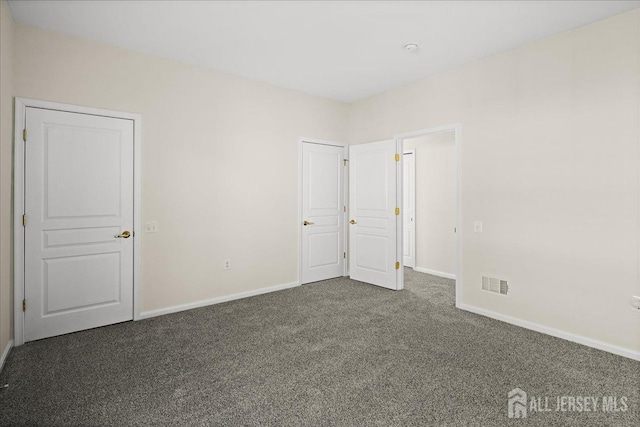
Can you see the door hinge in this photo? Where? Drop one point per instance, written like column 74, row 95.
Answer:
column 397, row 265
column 397, row 211
column 24, row 135
column 345, row 161
column 24, row 305
column 24, row 220
column 397, row 157
column 344, row 255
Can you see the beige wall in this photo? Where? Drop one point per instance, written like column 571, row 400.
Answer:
column 550, row 136
column 435, row 216
column 219, row 160
column 6, row 144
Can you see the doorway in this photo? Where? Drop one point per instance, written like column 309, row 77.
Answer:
column 76, row 208
column 409, row 207
column 431, row 202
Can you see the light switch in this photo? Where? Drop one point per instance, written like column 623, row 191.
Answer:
column 152, row 227
column 477, row 226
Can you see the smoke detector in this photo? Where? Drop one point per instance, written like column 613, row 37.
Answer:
column 410, row 47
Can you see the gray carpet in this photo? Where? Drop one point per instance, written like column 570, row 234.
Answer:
column 335, row 353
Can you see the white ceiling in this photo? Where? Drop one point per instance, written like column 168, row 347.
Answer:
column 341, row 50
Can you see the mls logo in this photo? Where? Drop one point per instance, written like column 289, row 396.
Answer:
column 517, row 403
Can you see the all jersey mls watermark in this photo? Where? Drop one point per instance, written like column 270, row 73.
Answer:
column 521, row 406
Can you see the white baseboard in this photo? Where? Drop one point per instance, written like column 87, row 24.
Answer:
column 589, row 342
column 435, row 273
column 5, row 353
column 217, row 300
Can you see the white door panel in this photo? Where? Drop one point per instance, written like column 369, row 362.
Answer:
column 78, row 197
column 372, row 203
column 80, row 281
column 68, row 157
column 409, row 208
column 318, row 256
column 322, row 212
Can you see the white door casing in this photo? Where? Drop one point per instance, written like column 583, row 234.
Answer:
column 78, row 196
column 373, row 226
column 322, row 225
column 409, row 208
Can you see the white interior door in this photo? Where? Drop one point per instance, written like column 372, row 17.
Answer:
column 372, row 207
column 322, row 212
column 409, row 208
column 78, row 199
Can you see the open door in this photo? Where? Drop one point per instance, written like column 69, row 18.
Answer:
column 373, row 215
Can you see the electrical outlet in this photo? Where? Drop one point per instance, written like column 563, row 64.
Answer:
column 635, row 302
column 477, row 226
column 227, row 264
column 151, row 227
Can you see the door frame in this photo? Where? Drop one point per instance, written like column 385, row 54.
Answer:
column 457, row 129
column 411, row 151
column 301, row 141
column 19, row 171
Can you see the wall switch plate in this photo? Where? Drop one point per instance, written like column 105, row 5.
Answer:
column 477, row 226
column 227, row 264
column 151, row 227
column 635, row 302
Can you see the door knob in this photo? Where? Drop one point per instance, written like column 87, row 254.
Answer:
column 124, row 235
column 305, row 222
column 353, row 221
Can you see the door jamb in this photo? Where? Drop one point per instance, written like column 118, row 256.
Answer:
column 21, row 105
column 457, row 129
column 345, row 186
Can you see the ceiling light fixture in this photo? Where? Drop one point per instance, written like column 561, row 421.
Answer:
column 410, row 47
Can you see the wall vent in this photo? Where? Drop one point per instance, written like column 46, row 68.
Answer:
column 498, row 286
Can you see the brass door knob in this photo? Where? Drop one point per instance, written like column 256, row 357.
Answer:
column 305, row 222
column 353, row 221
column 124, row 235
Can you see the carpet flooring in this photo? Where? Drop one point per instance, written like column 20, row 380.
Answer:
column 334, row 353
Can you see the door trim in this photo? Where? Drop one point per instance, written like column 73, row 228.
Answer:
column 457, row 129
column 301, row 141
column 21, row 105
